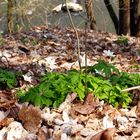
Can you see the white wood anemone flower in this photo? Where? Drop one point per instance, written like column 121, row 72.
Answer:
column 27, row 78
column 108, row 53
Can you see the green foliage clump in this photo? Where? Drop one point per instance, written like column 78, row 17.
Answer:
column 108, row 71
column 102, row 69
column 122, row 40
column 2, row 41
column 125, row 80
column 53, row 89
column 103, row 80
column 8, row 79
column 32, row 41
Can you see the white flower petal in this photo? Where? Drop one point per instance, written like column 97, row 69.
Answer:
column 108, row 53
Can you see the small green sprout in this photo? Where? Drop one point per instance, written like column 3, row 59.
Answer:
column 122, row 40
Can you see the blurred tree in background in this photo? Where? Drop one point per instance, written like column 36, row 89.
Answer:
column 10, row 16
column 134, row 18
column 20, row 14
column 128, row 21
column 90, row 13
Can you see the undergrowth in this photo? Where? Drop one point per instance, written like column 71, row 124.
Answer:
column 2, row 41
column 122, row 40
column 8, row 78
column 103, row 80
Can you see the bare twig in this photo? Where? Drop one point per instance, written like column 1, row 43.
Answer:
column 132, row 88
column 85, row 43
column 123, row 133
column 76, row 33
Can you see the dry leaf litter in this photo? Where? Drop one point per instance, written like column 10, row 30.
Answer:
column 44, row 49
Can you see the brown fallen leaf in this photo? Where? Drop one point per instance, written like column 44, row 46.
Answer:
column 107, row 134
column 30, row 117
column 138, row 111
column 91, row 100
column 43, row 133
column 6, row 99
column 88, row 107
column 5, row 122
column 84, row 109
column 110, row 111
column 7, row 104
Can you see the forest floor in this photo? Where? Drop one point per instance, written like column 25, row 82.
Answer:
column 35, row 52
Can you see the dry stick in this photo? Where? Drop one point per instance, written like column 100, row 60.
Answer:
column 76, row 33
column 123, row 133
column 85, row 40
column 129, row 89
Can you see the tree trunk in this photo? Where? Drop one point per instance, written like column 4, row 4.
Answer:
column 124, row 17
column 134, row 17
column 112, row 14
column 10, row 18
column 90, row 14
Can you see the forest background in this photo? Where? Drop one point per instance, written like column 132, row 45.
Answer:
column 120, row 16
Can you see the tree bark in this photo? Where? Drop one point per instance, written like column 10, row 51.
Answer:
column 124, row 17
column 90, row 14
column 10, row 17
column 112, row 14
column 134, row 17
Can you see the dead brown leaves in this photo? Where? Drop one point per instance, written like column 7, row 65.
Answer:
column 43, row 133
column 7, row 99
column 138, row 111
column 30, row 117
column 88, row 107
column 5, row 122
column 44, row 49
column 107, row 134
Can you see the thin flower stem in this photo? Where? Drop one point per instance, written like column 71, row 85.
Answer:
column 86, row 88
column 76, row 33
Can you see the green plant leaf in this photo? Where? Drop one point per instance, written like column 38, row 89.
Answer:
column 107, row 86
column 103, row 69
